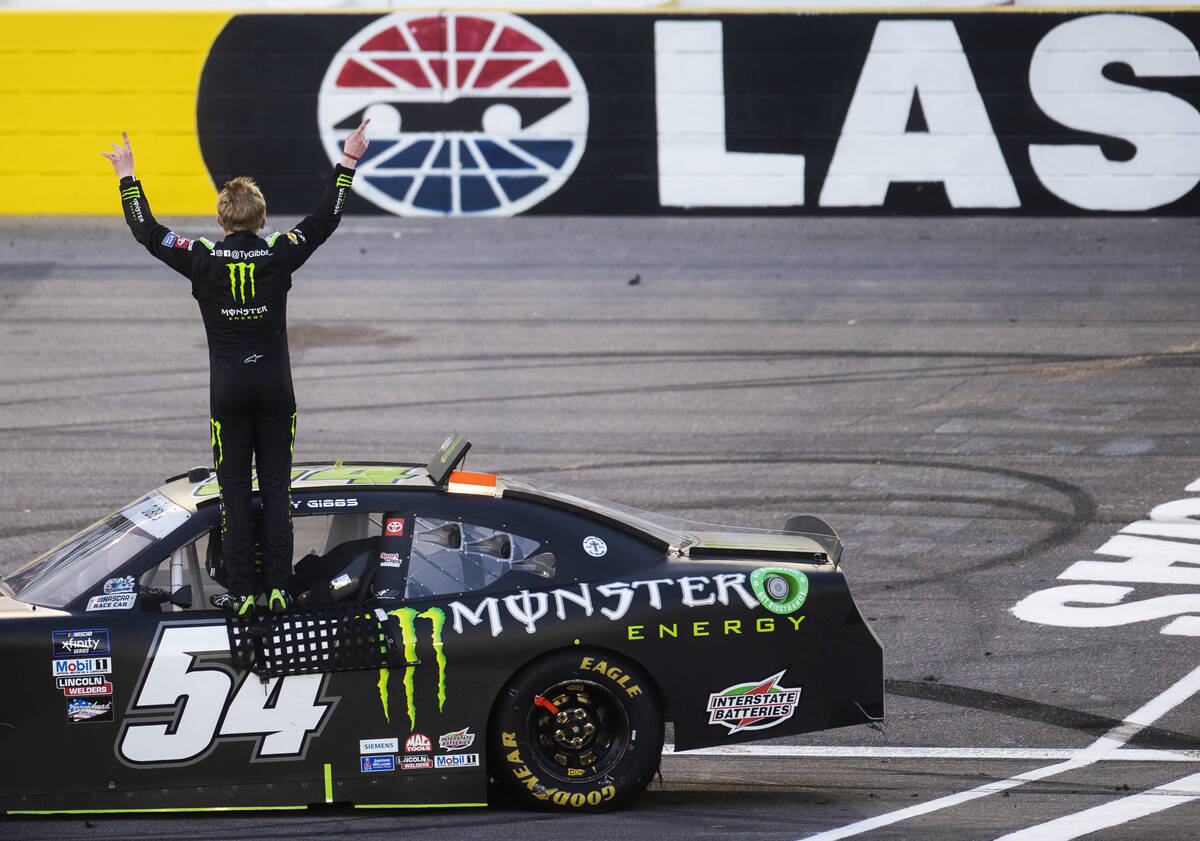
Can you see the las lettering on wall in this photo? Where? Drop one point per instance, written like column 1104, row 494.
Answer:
column 924, row 61
column 1152, row 554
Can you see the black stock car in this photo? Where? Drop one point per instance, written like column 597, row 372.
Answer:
column 458, row 625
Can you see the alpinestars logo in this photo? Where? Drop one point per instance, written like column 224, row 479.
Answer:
column 753, row 706
column 471, row 114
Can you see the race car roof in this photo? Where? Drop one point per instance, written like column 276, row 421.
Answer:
column 674, row 534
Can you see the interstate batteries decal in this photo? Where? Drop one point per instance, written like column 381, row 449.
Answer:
column 479, row 114
column 753, row 706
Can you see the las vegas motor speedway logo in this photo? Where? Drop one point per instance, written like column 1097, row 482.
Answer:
column 753, row 706
column 471, row 114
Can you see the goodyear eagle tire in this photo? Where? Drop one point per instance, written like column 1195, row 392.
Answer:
column 578, row 730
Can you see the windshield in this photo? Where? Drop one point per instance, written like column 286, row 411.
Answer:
column 77, row 565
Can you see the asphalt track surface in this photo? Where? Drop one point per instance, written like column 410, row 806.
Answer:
column 975, row 404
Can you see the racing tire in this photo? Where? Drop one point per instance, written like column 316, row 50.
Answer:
column 578, row 730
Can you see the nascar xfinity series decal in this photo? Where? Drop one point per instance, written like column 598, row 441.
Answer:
column 753, row 706
column 471, row 114
column 75, row 643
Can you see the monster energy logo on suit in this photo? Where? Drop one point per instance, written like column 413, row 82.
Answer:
column 218, row 449
column 238, row 274
column 407, row 618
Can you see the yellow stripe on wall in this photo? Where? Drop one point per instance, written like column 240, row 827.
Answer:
column 70, row 82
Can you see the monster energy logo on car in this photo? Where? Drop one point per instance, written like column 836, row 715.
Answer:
column 407, row 618
column 238, row 273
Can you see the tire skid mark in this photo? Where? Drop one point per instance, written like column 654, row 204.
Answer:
column 1174, row 358
column 1024, row 708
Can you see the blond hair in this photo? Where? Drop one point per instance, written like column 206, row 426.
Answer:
column 241, row 206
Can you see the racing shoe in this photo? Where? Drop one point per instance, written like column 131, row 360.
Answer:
column 232, row 603
column 279, row 601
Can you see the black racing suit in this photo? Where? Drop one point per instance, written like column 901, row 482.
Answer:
column 241, row 284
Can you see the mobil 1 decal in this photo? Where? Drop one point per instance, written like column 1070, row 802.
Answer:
column 471, row 114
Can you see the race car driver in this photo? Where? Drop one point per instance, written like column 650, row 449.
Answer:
column 241, row 284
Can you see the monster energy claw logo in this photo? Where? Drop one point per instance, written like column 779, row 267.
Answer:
column 407, row 619
column 238, row 274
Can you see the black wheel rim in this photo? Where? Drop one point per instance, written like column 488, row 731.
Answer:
column 578, row 730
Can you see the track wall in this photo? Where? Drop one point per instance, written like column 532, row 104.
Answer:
column 482, row 113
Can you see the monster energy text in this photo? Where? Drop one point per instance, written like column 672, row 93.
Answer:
column 407, row 618
column 245, row 312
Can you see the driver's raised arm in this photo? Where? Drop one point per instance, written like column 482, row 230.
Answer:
column 298, row 244
column 159, row 240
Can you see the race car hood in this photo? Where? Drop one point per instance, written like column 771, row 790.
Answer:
column 12, row 609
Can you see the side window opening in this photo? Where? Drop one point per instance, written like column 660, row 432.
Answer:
column 326, row 548
column 332, row 553
column 452, row 557
column 185, row 567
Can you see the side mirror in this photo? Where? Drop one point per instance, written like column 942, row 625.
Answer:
column 541, row 565
column 182, row 597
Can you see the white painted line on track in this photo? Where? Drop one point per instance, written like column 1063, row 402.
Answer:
column 1144, row 716
column 751, row 751
column 1113, row 813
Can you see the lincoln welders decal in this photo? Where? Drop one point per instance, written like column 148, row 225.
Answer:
column 753, row 706
column 479, row 114
column 188, row 699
